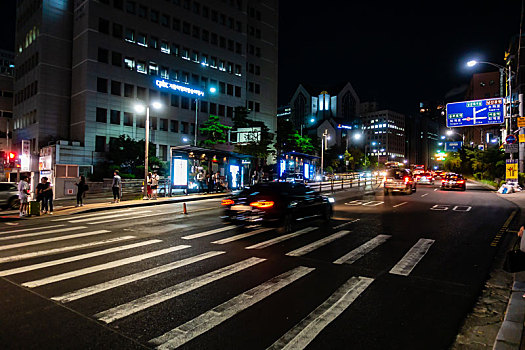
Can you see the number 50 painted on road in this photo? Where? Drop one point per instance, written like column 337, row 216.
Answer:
column 442, row 207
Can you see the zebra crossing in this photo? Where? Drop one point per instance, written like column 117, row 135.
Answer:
column 168, row 258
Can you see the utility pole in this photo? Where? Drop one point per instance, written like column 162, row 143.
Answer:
column 521, row 154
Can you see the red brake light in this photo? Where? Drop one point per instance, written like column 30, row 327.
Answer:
column 407, row 179
column 461, row 181
column 443, row 181
column 262, row 204
column 12, row 155
column 227, row 202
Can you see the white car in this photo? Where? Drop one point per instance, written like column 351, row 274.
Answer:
column 9, row 195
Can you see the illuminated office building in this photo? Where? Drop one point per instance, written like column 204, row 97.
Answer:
column 80, row 70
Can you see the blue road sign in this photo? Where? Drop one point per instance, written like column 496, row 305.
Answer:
column 453, row 146
column 478, row 112
column 510, row 139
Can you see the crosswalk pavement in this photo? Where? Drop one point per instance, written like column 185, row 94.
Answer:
column 76, row 259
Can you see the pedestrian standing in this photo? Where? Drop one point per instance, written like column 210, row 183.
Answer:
column 155, row 184
column 210, row 178
column 23, row 195
column 48, row 197
column 81, row 189
column 148, row 188
column 40, row 193
column 115, row 186
column 200, row 180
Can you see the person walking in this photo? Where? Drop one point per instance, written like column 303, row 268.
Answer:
column 155, row 184
column 115, row 186
column 81, row 189
column 200, row 180
column 48, row 197
column 23, row 195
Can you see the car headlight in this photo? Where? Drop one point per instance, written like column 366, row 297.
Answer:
column 331, row 200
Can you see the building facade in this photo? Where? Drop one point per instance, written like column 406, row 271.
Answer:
column 83, row 66
column 6, row 99
column 384, row 135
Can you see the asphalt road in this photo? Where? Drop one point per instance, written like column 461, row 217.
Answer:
column 389, row 272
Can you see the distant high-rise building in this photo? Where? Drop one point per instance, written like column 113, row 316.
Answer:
column 384, row 135
column 82, row 66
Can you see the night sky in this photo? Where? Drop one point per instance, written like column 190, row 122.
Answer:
column 395, row 52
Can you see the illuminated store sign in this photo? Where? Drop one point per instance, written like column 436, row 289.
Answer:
column 163, row 84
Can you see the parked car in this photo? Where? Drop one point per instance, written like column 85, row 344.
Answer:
column 9, row 195
column 451, row 181
column 400, row 180
column 278, row 204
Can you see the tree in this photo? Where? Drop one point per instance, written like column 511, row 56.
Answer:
column 127, row 154
column 289, row 139
column 349, row 159
column 214, row 131
column 259, row 149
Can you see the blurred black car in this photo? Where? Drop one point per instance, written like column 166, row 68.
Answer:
column 278, row 204
column 451, row 181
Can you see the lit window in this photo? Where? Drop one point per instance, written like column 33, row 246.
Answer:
column 153, row 69
column 141, row 67
column 129, row 63
column 164, row 73
column 213, row 62
column 141, row 39
column 129, row 35
column 165, row 47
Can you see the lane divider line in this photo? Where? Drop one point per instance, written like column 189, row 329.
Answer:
column 400, row 204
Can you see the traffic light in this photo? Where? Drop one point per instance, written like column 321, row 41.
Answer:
column 11, row 159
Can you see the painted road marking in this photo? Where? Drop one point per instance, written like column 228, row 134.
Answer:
column 208, row 320
column 400, row 204
column 101, row 287
column 107, row 216
column 75, row 258
column 121, row 219
column 90, row 215
column 423, row 195
column 346, row 223
column 30, row 229
column 412, row 258
column 101, row 267
column 305, row 331
column 313, row 246
column 503, row 229
column 63, row 249
column 435, row 189
column 281, row 238
column 208, row 233
column 362, row 250
column 241, row 236
column 147, row 301
column 55, row 239
column 25, row 235
column 364, row 203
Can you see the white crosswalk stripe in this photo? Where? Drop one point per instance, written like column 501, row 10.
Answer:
column 241, row 236
column 91, row 290
column 210, row 232
column 34, row 234
column 317, row 244
column 101, row 267
column 279, row 239
column 30, row 229
column 143, row 303
column 210, row 319
column 305, row 331
column 76, row 258
column 106, row 216
column 360, row 251
column 63, row 249
column 68, row 217
column 412, row 258
column 122, row 219
column 55, row 239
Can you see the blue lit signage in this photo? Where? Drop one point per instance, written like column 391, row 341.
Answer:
column 453, row 146
column 341, row 126
column 478, row 112
column 163, row 84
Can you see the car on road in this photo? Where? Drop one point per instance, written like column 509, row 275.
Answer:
column 9, row 195
column 425, row 179
column 295, row 178
column 277, row 204
column 400, row 180
column 452, row 181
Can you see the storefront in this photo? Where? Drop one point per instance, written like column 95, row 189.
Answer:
column 191, row 167
column 292, row 163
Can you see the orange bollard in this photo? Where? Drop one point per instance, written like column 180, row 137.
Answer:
column 184, row 210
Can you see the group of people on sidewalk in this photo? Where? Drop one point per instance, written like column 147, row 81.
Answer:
column 211, row 182
column 152, row 185
column 44, row 196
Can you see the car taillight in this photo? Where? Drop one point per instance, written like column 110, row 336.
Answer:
column 407, row 179
column 227, row 202
column 444, row 181
column 262, row 204
column 461, row 181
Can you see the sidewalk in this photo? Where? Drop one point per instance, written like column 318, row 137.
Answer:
column 66, row 206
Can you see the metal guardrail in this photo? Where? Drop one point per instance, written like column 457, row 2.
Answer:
column 347, row 181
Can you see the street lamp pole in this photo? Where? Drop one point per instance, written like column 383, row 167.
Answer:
column 196, row 118
column 146, row 155
column 325, row 134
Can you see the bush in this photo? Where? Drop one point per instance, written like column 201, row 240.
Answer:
column 329, row 170
column 521, row 179
column 127, row 176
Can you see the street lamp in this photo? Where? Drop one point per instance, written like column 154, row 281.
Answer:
column 450, row 132
column 324, row 139
column 211, row 90
column 140, row 108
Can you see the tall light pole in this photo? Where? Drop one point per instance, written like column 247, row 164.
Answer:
column 323, row 138
column 140, row 108
column 212, row 90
